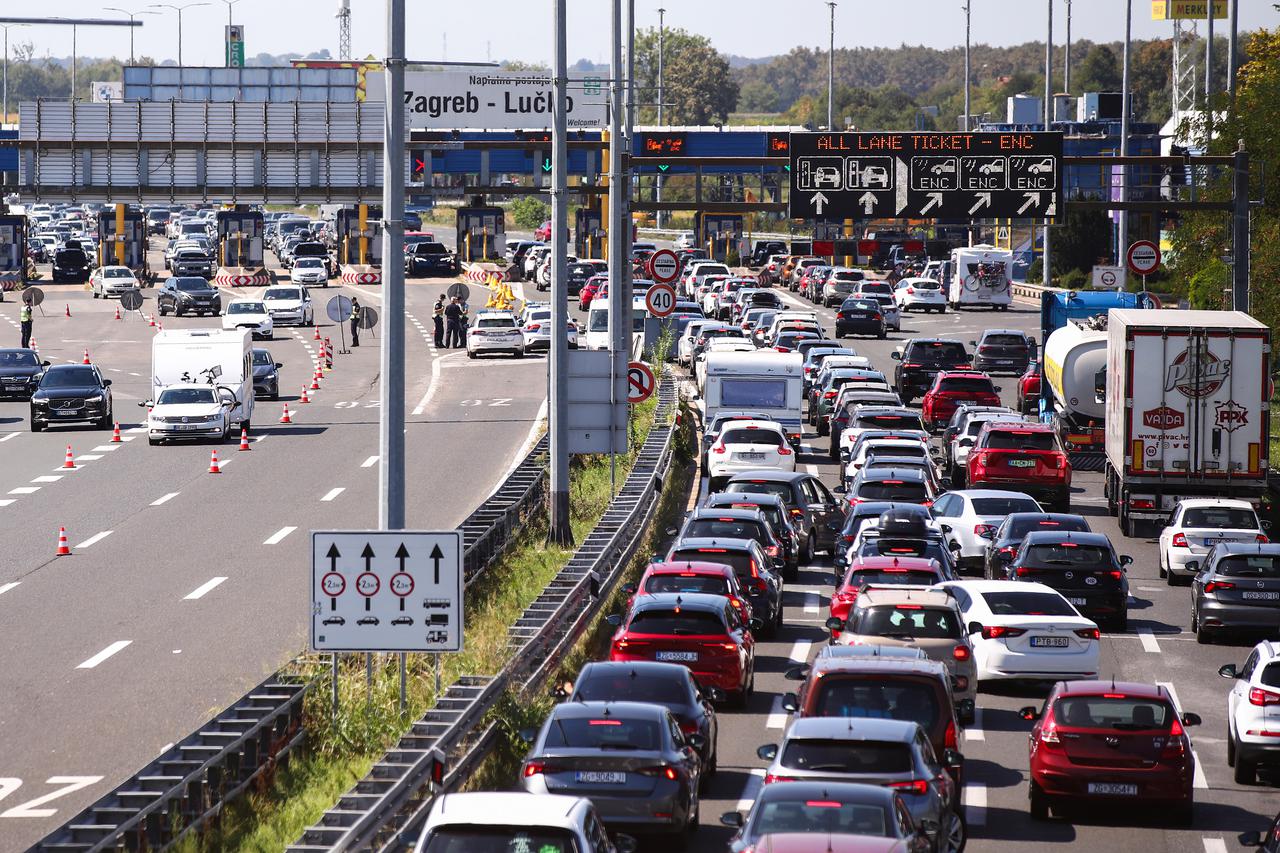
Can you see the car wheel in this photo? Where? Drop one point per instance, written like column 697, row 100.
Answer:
column 823, row 426
column 107, row 419
column 1246, row 772
column 1231, row 747
column 177, row 311
column 810, row 547
column 95, row 293
column 1037, row 803
column 36, row 426
column 154, row 442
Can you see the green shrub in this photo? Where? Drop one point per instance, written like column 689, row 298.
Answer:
column 530, row 212
column 1074, row 280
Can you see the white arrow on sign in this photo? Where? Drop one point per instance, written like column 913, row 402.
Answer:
column 1031, row 198
column 935, row 200
column 868, row 201
column 984, row 200
column 900, row 173
column 818, row 200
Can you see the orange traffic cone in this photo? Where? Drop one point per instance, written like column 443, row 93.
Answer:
column 70, row 462
column 244, row 438
column 316, row 336
column 86, row 358
column 63, row 548
column 68, row 309
column 213, row 463
column 118, row 312
column 304, row 398
column 34, row 345
column 115, row 434
column 153, row 321
column 315, row 380
column 284, row 418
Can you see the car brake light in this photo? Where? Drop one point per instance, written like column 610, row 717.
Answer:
column 1116, row 574
column 1261, row 539
column 911, row 364
column 1049, row 729
column 996, row 632
column 1023, row 571
column 1008, row 549
column 534, row 768
column 728, row 647
column 769, row 778
column 1088, row 633
column 916, row 786
column 784, row 451
column 1258, row 696
column 659, row 769
column 911, row 291
column 1213, row 586
column 949, row 739
column 796, row 513
column 717, row 448
column 1142, row 503
column 980, row 529
column 533, row 327
column 961, row 652
column 759, row 585
column 1180, row 540
column 828, row 395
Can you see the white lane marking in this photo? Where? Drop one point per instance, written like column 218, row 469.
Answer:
column 135, row 374
column 1148, row 639
column 1148, row 589
column 6, row 501
column 199, row 591
column 104, row 654
column 333, row 493
column 47, row 478
column 975, row 732
column 275, row 538
column 777, row 718
column 97, row 537
column 810, row 602
column 137, row 429
column 1198, row 779
column 811, row 469
column 755, row 781
column 800, row 651
column 88, row 457
column 11, row 435
column 24, row 490
column 163, row 499
column 1214, row 845
column 106, row 448
column 431, row 389
column 6, row 587
column 370, row 462
column 535, row 430
column 975, row 803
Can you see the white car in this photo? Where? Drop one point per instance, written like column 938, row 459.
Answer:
column 495, row 331
column 1025, row 631
column 684, row 349
column 907, row 446
column 537, row 329
column 974, row 515
column 1253, row 712
column 112, row 281
column 249, row 314
column 922, row 293
column 516, row 821
column 1196, row 525
column 749, row 446
column 289, row 305
column 685, row 240
column 309, row 271
column 872, row 416
column 189, row 411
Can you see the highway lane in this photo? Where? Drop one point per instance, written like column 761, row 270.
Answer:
column 186, row 588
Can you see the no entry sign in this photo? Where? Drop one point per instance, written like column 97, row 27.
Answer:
column 660, row 299
column 640, row 382
column 664, row 266
column 1143, row 257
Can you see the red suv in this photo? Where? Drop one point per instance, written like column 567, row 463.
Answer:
column 1029, row 390
column 543, row 232
column 920, row 571
column 692, row 576
column 1111, row 742
column 1022, row 457
column 950, row 389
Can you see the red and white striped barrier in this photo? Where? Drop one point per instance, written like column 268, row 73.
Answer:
column 241, row 277
column 9, row 281
column 361, row 275
column 484, row 273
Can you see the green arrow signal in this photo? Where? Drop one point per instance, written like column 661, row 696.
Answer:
column 787, row 167
column 663, row 168
column 546, row 164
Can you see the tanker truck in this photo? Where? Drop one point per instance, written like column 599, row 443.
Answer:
column 1075, row 366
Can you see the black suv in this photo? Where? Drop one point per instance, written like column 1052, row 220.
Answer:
column 430, row 259
column 814, row 511
column 922, row 360
column 775, row 512
column 19, row 372
column 762, row 249
column 752, row 566
column 1003, row 542
column 739, row 523
column 1003, row 351
column 1083, row 567
column 70, row 394
column 188, row 294
column 70, row 264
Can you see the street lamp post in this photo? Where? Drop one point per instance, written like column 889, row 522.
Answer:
column 179, row 10
column 966, row 66
column 131, row 16
column 6, row 27
column 1066, row 58
column 662, row 31
column 831, row 68
column 229, row 3
column 1122, row 222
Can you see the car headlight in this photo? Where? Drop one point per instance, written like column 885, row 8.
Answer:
column 95, row 398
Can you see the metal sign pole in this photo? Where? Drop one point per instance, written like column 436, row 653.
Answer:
column 334, row 700
column 619, row 293
column 559, row 531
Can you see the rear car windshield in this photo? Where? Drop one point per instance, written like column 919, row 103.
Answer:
column 470, row 838
column 926, row 284
column 605, row 732
column 1004, row 341
column 752, row 436
column 631, row 685
column 938, row 351
column 683, row 622
column 876, row 287
column 1010, row 439
column 877, row 697
column 1255, row 566
column 907, row 491
column 895, row 547
column 782, row 490
column 896, row 450
column 890, row 422
column 892, row 576
column 739, row 560
column 1068, row 554
column 1003, row 506
column 910, row 621
column 691, row 582
column 822, row 815
column 1220, row 518
column 724, row 528
column 1271, row 675
column 1101, row 712
column 1027, row 604
column 966, row 383
column 844, row 756
column 495, row 323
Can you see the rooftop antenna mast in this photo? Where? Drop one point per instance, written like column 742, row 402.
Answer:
column 344, row 29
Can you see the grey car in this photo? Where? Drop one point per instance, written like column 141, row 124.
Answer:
column 629, row 758
column 889, row 753
column 814, row 511
column 1236, row 588
column 750, row 563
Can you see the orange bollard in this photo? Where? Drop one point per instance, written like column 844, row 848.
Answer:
column 63, row 548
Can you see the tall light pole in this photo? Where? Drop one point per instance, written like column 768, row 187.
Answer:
column 1047, row 267
column 831, row 68
column 231, row 3
column 179, row 10
column 1066, row 59
column 966, row 66
column 1232, row 48
column 560, row 532
column 1208, row 64
column 131, row 16
column 6, row 69
column 662, row 32
column 1122, row 233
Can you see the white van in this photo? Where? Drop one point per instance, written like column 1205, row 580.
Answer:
column 597, row 336
column 215, row 357
column 981, row 275
column 764, row 381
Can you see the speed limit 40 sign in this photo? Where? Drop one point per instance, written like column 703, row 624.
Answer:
column 660, row 299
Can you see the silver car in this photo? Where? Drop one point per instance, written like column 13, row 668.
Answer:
column 876, row 751
column 630, row 759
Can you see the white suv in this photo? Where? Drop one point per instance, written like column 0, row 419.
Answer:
column 1253, row 712
column 493, row 820
column 1196, row 525
column 749, row 446
column 495, row 331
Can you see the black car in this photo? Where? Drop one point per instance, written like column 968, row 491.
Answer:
column 752, row 566
column 860, row 316
column 774, row 510
column 430, row 259
column 70, row 394
column 921, row 360
column 188, row 295
column 814, row 511
column 70, row 264
column 1236, row 588
column 1004, row 541
column 670, row 685
column 578, row 273
column 762, row 249
column 1002, row 351
column 1083, row 567
column 266, row 374
column 743, row 523
column 192, row 262
column 36, row 251
column 19, row 372
column 313, row 249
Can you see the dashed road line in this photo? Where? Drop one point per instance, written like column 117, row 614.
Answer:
column 199, row 592
column 6, row 502
column 1198, row 779
column 97, row 537
column 277, row 537
column 333, row 493
column 1214, row 845
column 11, row 435
column 164, row 499
column 104, row 654
column 755, row 781
column 105, row 448
column 47, row 478
column 975, row 732
column 810, row 602
column 24, row 490
column 800, row 651
column 1149, row 643
column 370, row 462
column 975, row 803
column 777, row 718
column 8, row 586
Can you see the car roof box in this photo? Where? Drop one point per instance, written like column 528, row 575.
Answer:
column 906, row 522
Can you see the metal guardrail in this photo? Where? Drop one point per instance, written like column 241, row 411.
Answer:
column 385, row 811
column 177, row 793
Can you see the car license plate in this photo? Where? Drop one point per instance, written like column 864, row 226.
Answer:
column 751, row 457
column 1254, row 595
column 1113, row 788
column 601, row 777
column 1005, row 363
column 1022, row 463
column 1079, row 602
column 187, row 426
column 1049, row 642
column 684, row 657
column 65, row 412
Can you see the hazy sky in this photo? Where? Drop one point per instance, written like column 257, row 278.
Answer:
column 521, row 29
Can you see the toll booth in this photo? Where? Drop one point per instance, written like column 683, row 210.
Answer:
column 589, row 235
column 718, row 233
column 358, row 231
column 13, row 252
column 482, row 233
column 122, row 240
column 239, row 251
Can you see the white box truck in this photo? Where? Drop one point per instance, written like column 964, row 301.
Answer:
column 206, row 357
column 1187, row 409
column 762, row 381
column 980, row 275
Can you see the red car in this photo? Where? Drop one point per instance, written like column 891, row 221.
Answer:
column 682, row 577
column 922, row 571
column 590, row 290
column 543, row 232
column 1022, row 457
column 1029, row 390
column 827, row 842
column 950, row 389
column 1111, row 742
column 703, row 632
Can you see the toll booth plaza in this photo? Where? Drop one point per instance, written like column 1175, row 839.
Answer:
column 358, row 230
column 122, row 240
column 240, row 259
column 13, row 252
column 482, row 233
column 589, row 235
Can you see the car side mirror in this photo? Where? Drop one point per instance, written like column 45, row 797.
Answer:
column 973, row 343
column 1125, row 560
column 145, row 404
column 528, row 735
column 1193, row 566
column 790, row 702
column 756, row 624
column 713, row 694
column 625, row 843
column 965, row 442
column 768, row 752
column 47, row 363
column 1029, row 713
column 999, row 388
column 697, row 741
column 1266, row 525
column 975, row 627
column 106, row 382
column 614, row 619
column 1252, row 838
column 279, row 365
column 796, row 673
column 895, row 355
column 952, row 758
column 834, row 623
column 1228, row 670
column 946, row 528
column 1191, row 719
column 731, row 819
column 629, row 588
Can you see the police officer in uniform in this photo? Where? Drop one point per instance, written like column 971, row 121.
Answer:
column 356, row 313
column 437, row 317
column 25, row 319
column 453, row 320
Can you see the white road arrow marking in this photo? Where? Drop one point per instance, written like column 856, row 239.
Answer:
column 868, row 201
column 900, row 174
column 935, row 200
column 1031, row 198
column 818, row 200
column 984, row 200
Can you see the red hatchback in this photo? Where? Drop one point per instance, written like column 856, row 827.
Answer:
column 1022, row 457
column 703, row 632
column 589, row 289
column 683, row 577
column 1029, row 390
column 1111, row 742
column 950, row 389
column 882, row 571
